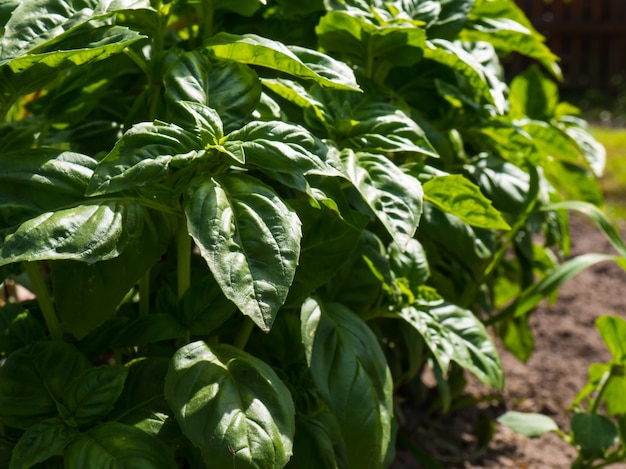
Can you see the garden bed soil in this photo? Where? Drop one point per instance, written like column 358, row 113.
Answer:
column 566, row 342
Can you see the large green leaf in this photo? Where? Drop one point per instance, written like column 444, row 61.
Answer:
column 455, row 334
column 395, row 197
column 457, row 195
column 232, row 89
column 593, row 433
column 86, row 45
column 92, row 394
column 38, row 24
column 256, row 50
column 232, row 406
column 118, row 446
column 87, row 233
column 35, row 181
column 250, row 239
column 33, row 382
column 351, row 373
column 42, row 441
column 381, row 127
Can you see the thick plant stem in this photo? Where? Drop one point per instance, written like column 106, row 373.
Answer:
column 184, row 259
column 45, row 300
column 241, row 339
column 601, row 389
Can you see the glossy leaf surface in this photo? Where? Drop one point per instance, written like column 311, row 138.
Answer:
column 350, row 372
column 231, row 405
column 250, row 239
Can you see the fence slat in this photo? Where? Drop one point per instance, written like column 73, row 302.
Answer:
column 588, row 35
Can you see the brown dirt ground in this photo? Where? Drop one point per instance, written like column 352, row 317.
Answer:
column 566, row 344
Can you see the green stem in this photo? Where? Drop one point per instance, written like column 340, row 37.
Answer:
column 45, row 300
column 207, row 25
column 144, row 294
column 242, row 336
column 184, row 259
column 606, row 377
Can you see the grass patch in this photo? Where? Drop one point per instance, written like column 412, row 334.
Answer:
column 613, row 182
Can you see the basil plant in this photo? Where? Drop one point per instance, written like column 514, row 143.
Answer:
column 242, row 230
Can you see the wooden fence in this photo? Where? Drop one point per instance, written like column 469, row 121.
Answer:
column 588, row 35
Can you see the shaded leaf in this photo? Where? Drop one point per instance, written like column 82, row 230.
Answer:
column 594, row 433
column 351, row 373
column 40, row 442
column 34, row 379
column 113, row 444
column 88, row 233
column 92, row 394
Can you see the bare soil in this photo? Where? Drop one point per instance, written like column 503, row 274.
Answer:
column 566, row 343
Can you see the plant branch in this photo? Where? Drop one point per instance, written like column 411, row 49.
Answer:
column 45, row 300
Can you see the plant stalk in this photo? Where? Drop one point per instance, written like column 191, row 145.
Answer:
column 242, row 336
column 44, row 299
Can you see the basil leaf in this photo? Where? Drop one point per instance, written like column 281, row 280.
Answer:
column 231, row 405
column 113, row 444
column 87, row 233
column 256, row 50
column 395, row 197
column 351, row 373
column 92, row 394
column 33, row 381
column 455, row 334
column 42, row 441
column 457, row 195
column 249, row 238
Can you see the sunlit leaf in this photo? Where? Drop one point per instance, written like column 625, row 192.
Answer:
column 256, row 50
column 457, row 195
column 250, row 239
column 232, row 406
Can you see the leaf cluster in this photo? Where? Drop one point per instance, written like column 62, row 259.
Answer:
column 251, row 226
